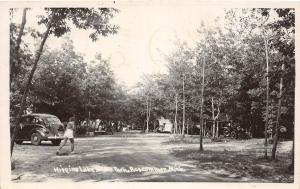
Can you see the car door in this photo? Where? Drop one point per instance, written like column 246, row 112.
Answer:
column 35, row 123
column 30, row 124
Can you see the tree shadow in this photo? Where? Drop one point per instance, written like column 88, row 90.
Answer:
column 246, row 163
column 105, row 154
column 42, row 144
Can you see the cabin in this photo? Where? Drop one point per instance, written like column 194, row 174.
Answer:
column 163, row 125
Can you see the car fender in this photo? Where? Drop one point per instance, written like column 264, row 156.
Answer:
column 41, row 132
column 39, row 129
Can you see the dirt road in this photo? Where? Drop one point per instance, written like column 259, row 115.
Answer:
column 121, row 157
column 133, row 156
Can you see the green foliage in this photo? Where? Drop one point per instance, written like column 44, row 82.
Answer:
column 96, row 20
column 235, row 73
column 57, row 86
column 66, row 85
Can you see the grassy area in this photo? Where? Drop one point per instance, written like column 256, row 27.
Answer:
column 239, row 159
column 191, row 139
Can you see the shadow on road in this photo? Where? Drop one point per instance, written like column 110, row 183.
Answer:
column 101, row 159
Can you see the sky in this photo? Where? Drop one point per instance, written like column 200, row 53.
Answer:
column 146, row 35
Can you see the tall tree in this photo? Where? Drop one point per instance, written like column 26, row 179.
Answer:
column 284, row 44
column 57, row 86
column 183, row 106
column 24, row 96
column 180, row 68
column 175, row 116
column 267, row 107
column 56, row 23
column 17, row 47
column 202, row 104
column 276, row 128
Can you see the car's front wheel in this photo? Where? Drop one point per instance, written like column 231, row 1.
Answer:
column 36, row 139
column 56, row 142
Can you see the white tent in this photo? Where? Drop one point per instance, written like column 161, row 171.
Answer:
column 165, row 125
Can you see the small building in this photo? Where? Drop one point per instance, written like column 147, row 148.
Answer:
column 164, row 125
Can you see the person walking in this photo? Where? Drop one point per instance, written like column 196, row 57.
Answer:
column 69, row 134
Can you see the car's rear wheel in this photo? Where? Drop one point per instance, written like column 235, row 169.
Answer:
column 233, row 134
column 19, row 141
column 226, row 132
column 56, row 142
column 36, row 139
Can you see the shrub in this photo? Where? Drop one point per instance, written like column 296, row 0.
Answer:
column 81, row 130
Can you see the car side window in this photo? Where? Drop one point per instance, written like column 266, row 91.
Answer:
column 25, row 121
column 33, row 121
column 37, row 120
column 40, row 121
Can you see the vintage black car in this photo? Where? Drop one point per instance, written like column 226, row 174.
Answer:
column 40, row 127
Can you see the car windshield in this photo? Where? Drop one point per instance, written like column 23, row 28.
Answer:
column 53, row 120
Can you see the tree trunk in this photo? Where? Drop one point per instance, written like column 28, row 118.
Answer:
column 291, row 166
column 267, row 110
column 17, row 48
column 205, row 128
column 89, row 121
column 149, row 115
column 275, row 139
column 217, row 132
column 201, row 110
column 28, row 83
column 213, row 118
column 188, row 126
column 217, row 117
column 176, row 109
column 147, row 118
column 183, row 107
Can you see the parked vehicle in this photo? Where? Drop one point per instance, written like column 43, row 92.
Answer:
column 40, row 127
column 104, row 128
column 236, row 132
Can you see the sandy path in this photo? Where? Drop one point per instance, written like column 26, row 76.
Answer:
column 122, row 157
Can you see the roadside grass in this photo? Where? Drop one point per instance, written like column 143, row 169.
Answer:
column 129, row 134
column 191, row 139
column 238, row 159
